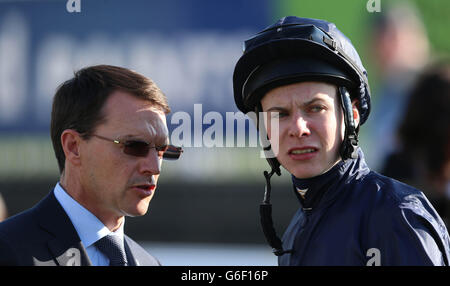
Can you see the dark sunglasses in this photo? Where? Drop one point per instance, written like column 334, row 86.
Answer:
column 141, row 148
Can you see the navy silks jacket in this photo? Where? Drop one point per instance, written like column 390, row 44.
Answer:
column 353, row 216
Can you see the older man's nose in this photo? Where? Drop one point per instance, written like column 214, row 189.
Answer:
column 151, row 164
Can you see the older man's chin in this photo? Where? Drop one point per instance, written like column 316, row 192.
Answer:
column 139, row 209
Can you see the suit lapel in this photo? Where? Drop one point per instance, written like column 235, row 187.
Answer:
column 65, row 246
column 132, row 259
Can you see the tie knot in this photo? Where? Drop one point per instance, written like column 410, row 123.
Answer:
column 112, row 247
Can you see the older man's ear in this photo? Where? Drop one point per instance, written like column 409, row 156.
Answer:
column 70, row 142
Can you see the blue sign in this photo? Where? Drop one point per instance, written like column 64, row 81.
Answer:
column 189, row 48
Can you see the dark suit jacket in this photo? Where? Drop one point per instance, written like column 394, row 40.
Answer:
column 44, row 235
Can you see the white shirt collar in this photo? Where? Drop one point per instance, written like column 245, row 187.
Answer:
column 88, row 226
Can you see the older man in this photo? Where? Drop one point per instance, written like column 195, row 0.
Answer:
column 109, row 134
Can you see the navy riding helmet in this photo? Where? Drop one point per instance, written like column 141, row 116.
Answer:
column 299, row 49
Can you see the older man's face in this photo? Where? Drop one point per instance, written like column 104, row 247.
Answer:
column 115, row 183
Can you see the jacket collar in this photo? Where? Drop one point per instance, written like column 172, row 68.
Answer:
column 65, row 244
column 317, row 192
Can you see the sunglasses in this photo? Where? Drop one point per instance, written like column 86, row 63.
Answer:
column 141, row 148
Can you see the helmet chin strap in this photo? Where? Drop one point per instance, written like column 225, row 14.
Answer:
column 348, row 150
column 265, row 208
column 265, row 211
column 349, row 147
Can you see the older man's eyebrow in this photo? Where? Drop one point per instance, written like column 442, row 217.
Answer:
column 130, row 137
column 160, row 139
column 163, row 140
